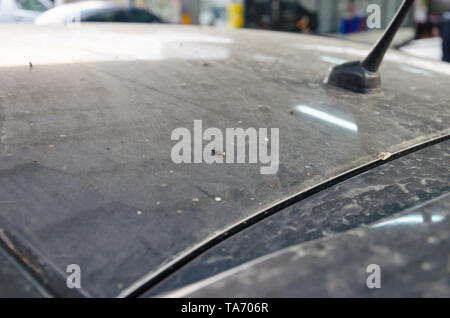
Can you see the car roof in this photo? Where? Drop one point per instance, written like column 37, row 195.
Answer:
column 86, row 117
column 355, row 203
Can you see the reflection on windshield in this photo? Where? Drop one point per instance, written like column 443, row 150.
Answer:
column 415, row 218
column 327, row 117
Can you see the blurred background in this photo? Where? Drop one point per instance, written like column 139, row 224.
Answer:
column 338, row 18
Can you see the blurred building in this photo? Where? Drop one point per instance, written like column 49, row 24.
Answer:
column 323, row 16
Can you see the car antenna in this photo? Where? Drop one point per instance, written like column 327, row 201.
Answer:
column 363, row 76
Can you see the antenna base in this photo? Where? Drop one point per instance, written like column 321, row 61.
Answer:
column 353, row 76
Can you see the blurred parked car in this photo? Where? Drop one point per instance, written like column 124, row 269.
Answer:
column 22, row 10
column 96, row 11
column 430, row 48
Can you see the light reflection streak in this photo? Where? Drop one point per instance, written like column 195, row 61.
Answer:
column 333, row 60
column 327, row 117
column 416, row 218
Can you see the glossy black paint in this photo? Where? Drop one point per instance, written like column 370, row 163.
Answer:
column 411, row 251
column 357, row 202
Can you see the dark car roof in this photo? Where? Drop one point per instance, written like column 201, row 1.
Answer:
column 85, row 136
column 381, row 192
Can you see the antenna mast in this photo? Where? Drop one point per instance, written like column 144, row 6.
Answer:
column 363, row 77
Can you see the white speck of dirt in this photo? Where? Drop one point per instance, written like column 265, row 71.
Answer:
column 266, row 139
column 51, row 146
column 218, row 199
column 62, row 136
column 171, row 171
column 345, row 221
column 195, row 200
column 426, row 266
column 158, row 203
column 164, row 185
column 384, row 155
column 139, row 212
column 179, row 211
column 432, row 240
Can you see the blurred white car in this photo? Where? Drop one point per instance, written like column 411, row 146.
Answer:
column 430, row 48
column 22, row 10
column 96, row 11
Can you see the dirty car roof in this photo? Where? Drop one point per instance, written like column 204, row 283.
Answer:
column 85, row 136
